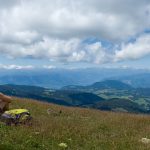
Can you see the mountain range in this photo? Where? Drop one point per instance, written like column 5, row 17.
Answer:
column 110, row 95
column 57, row 78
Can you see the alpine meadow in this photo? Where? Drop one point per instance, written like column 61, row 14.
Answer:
column 74, row 75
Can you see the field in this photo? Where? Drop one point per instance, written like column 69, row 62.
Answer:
column 80, row 129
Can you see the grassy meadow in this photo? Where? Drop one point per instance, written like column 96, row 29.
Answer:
column 80, row 129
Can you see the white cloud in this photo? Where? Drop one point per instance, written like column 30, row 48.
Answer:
column 55, row 30
column 135, row 50
column 72, row 50
column 109, row 19
column 17, row 67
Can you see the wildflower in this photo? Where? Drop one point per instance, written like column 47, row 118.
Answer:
column 145, row 140
column 63, row 145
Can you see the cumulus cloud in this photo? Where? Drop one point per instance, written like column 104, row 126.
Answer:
column 56, row 30
column 72, row 50
column 134, row 50
column 109, row 19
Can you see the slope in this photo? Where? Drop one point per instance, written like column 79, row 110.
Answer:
column 84, row 98
column 80, row 128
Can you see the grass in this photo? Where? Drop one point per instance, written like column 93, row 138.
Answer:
column 80, row 129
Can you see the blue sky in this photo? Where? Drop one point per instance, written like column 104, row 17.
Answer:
column 74, row 34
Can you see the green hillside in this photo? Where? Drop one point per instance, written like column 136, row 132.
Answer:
column 129, row 100
column 80, row 129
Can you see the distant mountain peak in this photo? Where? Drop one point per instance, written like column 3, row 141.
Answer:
column 111, row 84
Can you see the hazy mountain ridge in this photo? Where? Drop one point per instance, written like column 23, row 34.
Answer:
column 57, row 78
column 138, row 80
column 106, row 84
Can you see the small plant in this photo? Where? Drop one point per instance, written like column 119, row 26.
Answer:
column 63, row 145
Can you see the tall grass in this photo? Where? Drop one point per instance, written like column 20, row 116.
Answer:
column 80, row 129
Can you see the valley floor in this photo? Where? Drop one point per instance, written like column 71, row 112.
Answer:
column 80, row 129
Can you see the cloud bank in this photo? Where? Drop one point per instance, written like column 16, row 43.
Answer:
column 56, row 30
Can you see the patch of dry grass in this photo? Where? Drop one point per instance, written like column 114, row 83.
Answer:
column 80, row 129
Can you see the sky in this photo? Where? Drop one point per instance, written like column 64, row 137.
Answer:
column 74, row 33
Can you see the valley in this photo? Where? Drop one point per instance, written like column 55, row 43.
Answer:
column 110, row 95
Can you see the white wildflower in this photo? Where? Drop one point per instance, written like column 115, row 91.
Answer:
column 63, row 145
column 145, row 140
